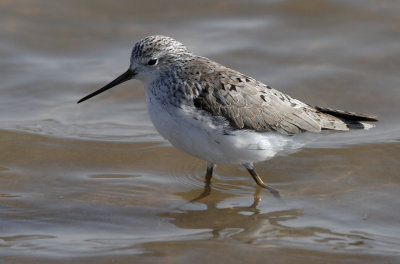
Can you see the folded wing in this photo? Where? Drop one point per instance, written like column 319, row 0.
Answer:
column 248, row 104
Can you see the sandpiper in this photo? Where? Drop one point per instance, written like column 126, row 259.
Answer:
column 221, row 115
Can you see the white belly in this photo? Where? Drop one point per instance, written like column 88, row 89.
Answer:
column 204, row 140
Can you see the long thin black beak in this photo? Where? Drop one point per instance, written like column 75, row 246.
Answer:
column 126, row 76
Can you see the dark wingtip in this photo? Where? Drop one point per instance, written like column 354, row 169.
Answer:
column 351, row 116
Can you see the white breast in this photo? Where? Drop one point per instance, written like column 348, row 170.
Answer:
column 198, row 136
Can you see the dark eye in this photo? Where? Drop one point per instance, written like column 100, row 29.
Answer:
column 152, row 62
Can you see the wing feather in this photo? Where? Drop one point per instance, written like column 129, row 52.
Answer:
column 248, row 104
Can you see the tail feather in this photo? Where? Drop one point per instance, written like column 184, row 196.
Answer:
column 352, row 120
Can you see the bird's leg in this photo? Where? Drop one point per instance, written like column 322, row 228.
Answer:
column 207, row 185
column 257, row 179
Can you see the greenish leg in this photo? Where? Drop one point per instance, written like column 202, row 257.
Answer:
column 260, row 182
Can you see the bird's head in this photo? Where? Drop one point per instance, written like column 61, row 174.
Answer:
column 150, row 58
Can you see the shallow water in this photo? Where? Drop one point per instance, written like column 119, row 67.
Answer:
column 96, row 183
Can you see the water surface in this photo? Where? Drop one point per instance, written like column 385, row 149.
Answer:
column 96, row 183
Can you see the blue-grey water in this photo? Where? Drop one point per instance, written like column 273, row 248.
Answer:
column 95, row 182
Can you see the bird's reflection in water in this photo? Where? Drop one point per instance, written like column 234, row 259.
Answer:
column 266, row 222
column 224, row 219
column 207, row 190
